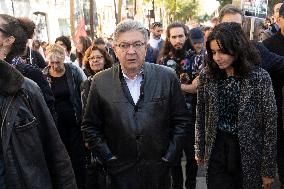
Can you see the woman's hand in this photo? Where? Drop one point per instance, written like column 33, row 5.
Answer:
column 266, row 182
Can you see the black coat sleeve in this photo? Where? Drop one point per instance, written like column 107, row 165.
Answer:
column 56, row 156
column 181, row 122
column 271, row 62
column 92, row 125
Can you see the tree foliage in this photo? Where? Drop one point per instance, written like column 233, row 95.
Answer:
column 224, row 2
column 180, row 10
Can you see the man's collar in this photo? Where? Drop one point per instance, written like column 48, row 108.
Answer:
column 156, row 39
column 141, row 72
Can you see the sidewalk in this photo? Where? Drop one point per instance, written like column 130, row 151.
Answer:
column 201, row 179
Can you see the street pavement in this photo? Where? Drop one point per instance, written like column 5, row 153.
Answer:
column 201, row 179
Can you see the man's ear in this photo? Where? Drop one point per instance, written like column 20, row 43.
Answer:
column 9, row 41
column 278, row 19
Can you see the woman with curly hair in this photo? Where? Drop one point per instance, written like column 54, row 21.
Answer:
column 236, row 114
column 95, row 60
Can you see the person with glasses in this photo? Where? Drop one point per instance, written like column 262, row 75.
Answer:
column 95, row 60
column 65, row 80
column 136, row 119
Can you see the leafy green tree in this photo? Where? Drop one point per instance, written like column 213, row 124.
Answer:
column 180, row 10
column 224, row 2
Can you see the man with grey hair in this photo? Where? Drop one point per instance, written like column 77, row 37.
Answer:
column 136, row 119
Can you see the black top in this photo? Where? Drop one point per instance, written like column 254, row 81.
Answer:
column 63, row 105
column 228, row 104
column 33, row 72
column 275, row 43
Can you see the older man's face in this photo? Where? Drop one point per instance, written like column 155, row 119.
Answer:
column 130, row 49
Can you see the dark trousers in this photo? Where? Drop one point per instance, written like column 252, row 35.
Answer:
column 280, row 154
column 71, row 136
column 191, row 167
column 190, row 170
column 142, row 176
column 224, row 169
column 96, row 177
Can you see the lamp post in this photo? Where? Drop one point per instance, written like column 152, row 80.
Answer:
column 13, row 9
column 153, row 8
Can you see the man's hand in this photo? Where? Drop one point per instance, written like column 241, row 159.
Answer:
column 266, row 182
column 195, row 82
column 190, row 88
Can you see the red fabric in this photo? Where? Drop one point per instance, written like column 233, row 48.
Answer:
column 80, row 30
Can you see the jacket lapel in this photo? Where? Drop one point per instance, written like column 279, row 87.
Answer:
column 245, row 98
column 213, row 102
column 9, row 128
column 120, row 86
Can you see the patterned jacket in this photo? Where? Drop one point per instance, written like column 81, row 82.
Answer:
column 257, row 126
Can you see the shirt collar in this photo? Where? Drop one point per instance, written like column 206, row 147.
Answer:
column 141, row 73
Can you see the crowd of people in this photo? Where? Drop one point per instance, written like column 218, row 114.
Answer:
column 122, row 114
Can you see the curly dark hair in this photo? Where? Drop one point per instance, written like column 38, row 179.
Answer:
column 167, row 47
column 108, row 59
column 232, row 41
column 66, row 41
column 21, row 29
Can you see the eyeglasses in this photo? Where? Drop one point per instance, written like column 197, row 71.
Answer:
column 54, row 62
column 99, row 58
column 125, row 46
column 4, row 31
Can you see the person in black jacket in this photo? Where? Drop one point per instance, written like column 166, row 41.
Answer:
column 35, row 58
column 95, row 60
column 65, row 80
column 275, row 43
column 136, row 119
column 32, row 155
column 18, row 31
